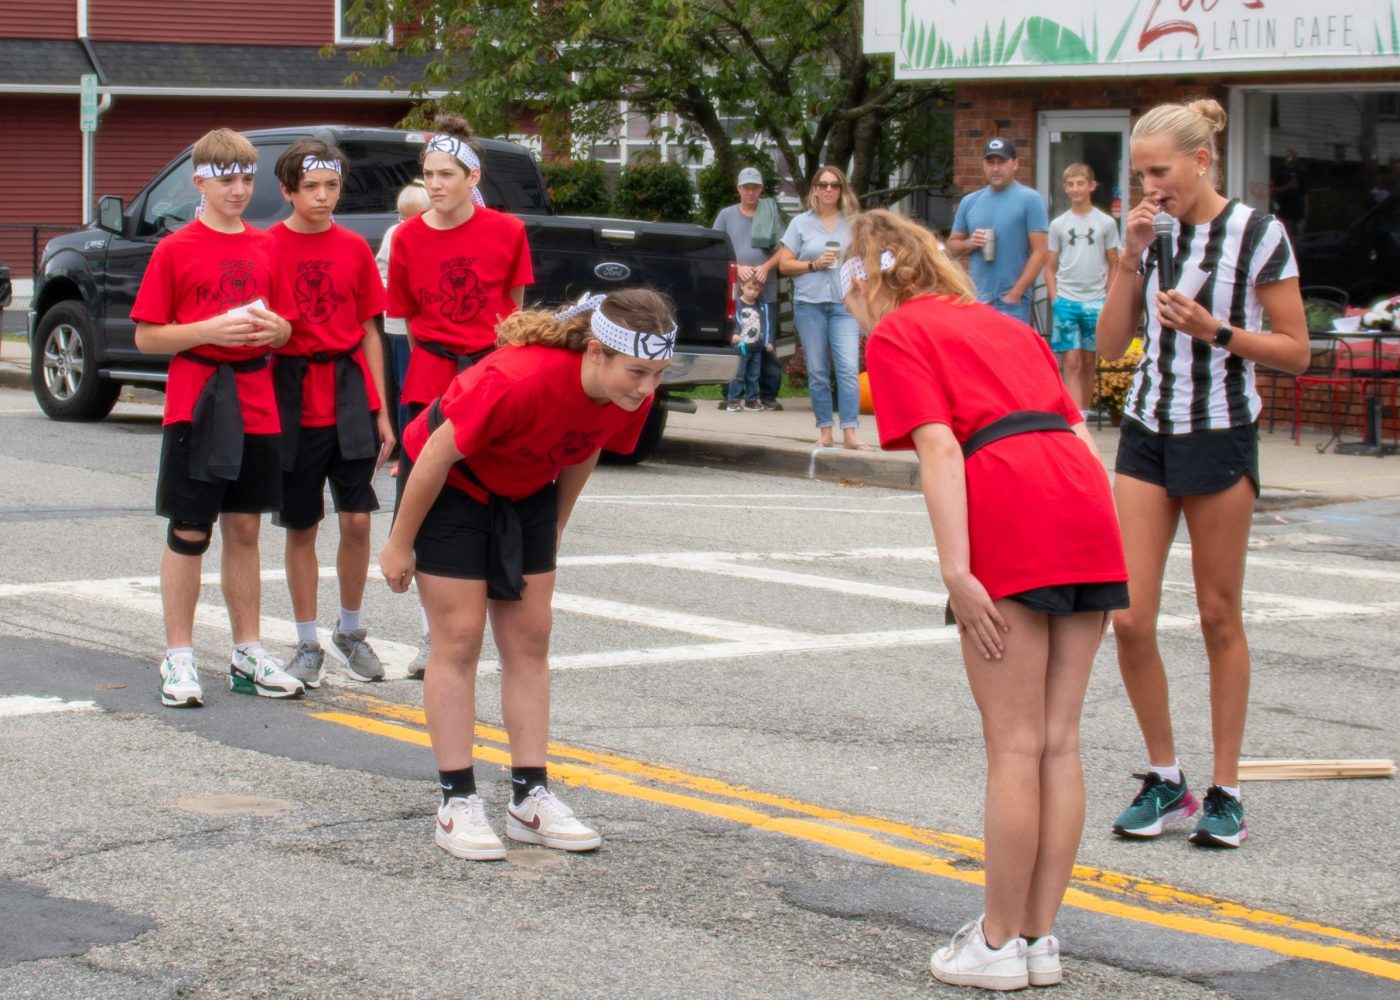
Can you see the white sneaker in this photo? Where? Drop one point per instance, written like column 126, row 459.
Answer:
column 419, row 666
column 179, row 683
column 1043, row 961
column 261, row 673
column 967, row 961
column 544, row 819
column 462, row 830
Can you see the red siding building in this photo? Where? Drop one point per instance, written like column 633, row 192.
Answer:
column 162, row 85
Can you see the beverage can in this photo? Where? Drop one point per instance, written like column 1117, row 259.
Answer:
column 989, row 249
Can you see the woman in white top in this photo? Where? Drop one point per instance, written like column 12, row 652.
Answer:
column 1189, row 443
column 811, row 247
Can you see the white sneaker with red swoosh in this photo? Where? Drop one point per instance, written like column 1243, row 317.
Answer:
column 544, row 819
column 463, row 832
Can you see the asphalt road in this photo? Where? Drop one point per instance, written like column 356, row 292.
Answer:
column 754, row 700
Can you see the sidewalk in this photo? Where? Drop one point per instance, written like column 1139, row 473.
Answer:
column 783, row 443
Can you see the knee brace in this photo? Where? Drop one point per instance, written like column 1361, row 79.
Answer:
column 188, row 546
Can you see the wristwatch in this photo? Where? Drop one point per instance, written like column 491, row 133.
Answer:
column 811, row 265
column 1223, row 335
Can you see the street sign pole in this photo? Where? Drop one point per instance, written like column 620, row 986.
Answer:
column 87, row 122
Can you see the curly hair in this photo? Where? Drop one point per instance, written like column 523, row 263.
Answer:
column 642, row 309
column 921, row 267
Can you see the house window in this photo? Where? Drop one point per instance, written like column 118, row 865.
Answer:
column 347, row 28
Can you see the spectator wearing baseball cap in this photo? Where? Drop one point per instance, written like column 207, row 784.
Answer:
column 1003, row 227
column 754, row 226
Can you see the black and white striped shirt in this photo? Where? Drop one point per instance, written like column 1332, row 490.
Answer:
column 1183, row 384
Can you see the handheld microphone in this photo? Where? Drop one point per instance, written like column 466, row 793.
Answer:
column 1166, row 260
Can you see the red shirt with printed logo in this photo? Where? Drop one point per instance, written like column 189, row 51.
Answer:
column 335, row 282
column 452, row 285
column 197, row 273
column 521, row 416
column 1039, row 509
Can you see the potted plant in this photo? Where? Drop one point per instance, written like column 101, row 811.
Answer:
column 1114, row 379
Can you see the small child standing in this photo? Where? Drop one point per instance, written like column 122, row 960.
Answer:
column 752, row 339
column 1084, row 247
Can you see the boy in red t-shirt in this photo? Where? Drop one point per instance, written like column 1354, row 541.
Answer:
column 212, row 298
column 330, row 382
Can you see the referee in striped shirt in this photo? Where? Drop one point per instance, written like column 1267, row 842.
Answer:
column 1189, row 442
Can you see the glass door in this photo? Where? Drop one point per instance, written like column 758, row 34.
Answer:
column 1098, row 138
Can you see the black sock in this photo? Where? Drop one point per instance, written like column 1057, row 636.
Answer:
column 460, row 783
column 522, row 779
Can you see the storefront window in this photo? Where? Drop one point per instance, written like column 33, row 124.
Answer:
column 1327, row 163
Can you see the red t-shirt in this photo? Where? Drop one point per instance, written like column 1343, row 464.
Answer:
column 196, row 273
column 335, row 282
column 452, row 285
column 1039, row 508
column 521, row 416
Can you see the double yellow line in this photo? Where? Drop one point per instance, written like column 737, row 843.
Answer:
column 931, row 852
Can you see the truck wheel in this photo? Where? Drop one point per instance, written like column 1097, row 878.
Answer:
column 63, row 367
column 650, row 438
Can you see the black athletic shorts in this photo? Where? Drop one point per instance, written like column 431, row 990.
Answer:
column 1063, row 599
column 257, row 489
column 1189, row 465
column 455, row 539
column 318, row 462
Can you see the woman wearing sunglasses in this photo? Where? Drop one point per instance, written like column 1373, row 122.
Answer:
column 810, row 249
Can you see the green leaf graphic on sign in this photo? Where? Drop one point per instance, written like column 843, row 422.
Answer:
column 1048, row 42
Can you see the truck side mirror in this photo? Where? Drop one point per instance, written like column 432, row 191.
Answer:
column 109, row 214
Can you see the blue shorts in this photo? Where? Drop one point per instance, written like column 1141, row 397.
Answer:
column 1075, row 323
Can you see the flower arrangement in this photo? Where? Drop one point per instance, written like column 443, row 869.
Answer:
column 1115, row 378
column 1382, row 314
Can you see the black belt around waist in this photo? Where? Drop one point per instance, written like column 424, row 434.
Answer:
column 505, row 574
column 216, row 428
column 463, row 361
column 1016, row 422
column 353, row 423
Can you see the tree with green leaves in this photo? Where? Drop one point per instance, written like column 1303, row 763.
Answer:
column 733, row 73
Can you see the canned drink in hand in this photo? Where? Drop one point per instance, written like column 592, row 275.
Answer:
column 989, row 249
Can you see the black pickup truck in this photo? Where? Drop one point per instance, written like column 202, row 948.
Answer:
column 82, row 340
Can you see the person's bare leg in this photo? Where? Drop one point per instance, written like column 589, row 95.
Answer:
column 1148, row 519
column 1074, row 640
column 1073, row 368
column 303, row 572
column 179, row 590
column 457, row 616
column 521, row 630
column 241, row 575
column 1010, row 694
column 1219, row 526
column 352, row 559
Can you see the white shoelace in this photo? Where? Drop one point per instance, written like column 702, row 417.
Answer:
column 182, row 670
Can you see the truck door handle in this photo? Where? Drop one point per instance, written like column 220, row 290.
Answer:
column 625, row 235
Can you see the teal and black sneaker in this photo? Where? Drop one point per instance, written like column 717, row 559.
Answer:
column 1222, row 822
column 1157, row 803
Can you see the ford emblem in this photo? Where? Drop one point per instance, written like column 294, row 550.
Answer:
column 613, row 271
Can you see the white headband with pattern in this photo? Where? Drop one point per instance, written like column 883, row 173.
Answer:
column 647, row 346
column 855, row 268
column 310, row 163
column 211, row 170
column 208, row 170
column 462, row 153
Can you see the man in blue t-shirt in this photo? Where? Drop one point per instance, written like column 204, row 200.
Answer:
column 1007, row 222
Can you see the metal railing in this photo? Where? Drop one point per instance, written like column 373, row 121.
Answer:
column 22, row 244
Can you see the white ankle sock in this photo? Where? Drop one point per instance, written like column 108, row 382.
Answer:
column 1233, row 791
column 424, row 616
column 1169, row 774
column 175, row 651
column 306, row 631
column 249, row 648
column 349, row 620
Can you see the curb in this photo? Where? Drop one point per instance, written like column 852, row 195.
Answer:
column 13, row 375
column 833, row 465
